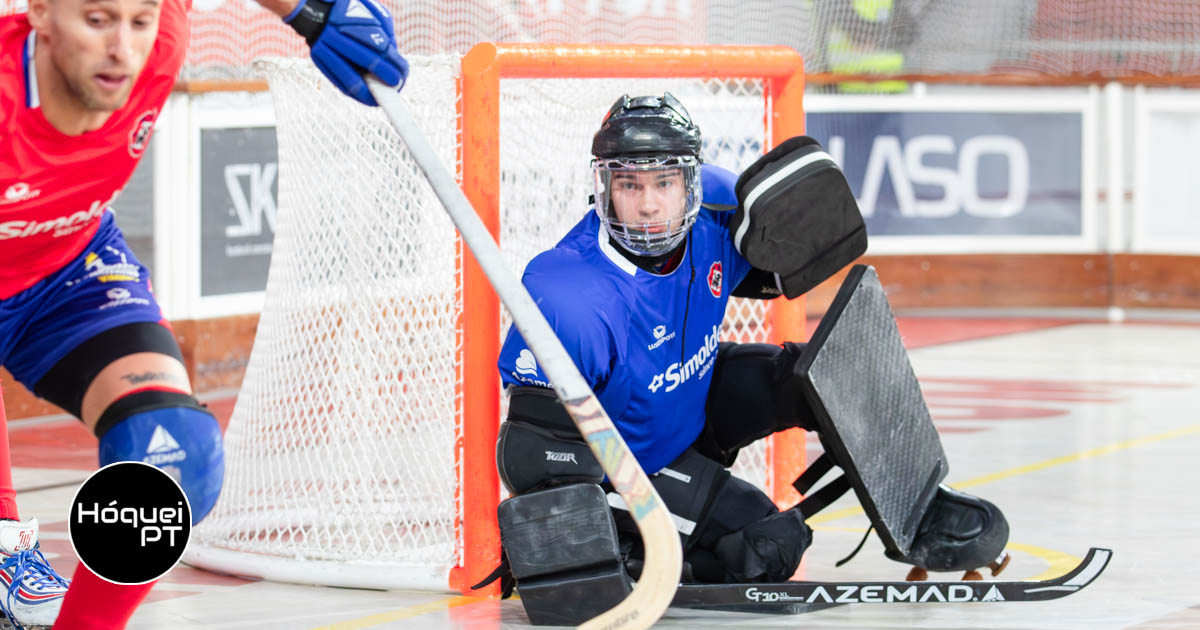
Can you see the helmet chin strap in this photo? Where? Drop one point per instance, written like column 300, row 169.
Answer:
column 658, row 264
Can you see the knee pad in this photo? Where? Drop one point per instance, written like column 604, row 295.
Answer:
column 754, row 393
column 562, row 547
column 767, row 550
column 751, row 540
column 959, row 532
column 173, row 432
column 539, row 445
column 529, row 458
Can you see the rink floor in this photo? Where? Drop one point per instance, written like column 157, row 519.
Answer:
column 1086, row 433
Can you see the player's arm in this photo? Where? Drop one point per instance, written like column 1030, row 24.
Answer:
column 348, row 39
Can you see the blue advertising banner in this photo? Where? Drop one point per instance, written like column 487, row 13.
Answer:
column 960, row 173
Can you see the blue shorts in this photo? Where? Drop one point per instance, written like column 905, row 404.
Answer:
column 104, row 287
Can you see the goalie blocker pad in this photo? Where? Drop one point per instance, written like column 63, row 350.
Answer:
column 796, row 216
column 870, row 413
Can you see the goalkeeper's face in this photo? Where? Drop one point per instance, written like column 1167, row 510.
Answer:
column 98, row 47
column 651, row 198
column 648, row 207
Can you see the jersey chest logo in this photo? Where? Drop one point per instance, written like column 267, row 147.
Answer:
column 139, row 136
column 714, row 279
column 19, row 191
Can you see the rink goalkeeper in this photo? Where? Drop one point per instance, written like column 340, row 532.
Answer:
column 637, row 293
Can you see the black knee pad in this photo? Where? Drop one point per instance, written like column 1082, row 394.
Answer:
column 562, row 547
column 767, row 550
column 959, row 532
column 530, row 457
column 744, row 538
column 754, row 393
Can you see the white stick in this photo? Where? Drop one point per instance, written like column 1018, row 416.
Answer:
column 660, row 575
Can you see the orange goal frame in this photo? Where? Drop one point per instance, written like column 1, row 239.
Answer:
column 478, row 399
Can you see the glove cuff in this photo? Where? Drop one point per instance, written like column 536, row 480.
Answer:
column 309, row 18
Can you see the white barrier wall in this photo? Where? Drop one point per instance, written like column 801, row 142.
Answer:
column 1166, row 166
column 958, row 171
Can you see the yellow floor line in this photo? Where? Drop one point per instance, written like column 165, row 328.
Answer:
column 1095, row 452
column 1059, row 562
column 403, row 613
column 1012, row 472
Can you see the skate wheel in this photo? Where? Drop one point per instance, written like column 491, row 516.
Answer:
column 917, row 574
column 1000, row 563
column 972, row 576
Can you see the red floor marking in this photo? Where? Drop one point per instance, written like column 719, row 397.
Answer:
column 918, row 332
column 66, row 444
column 1051, row 385
column 1017, row 395
column 969, row 411
column 59, row 444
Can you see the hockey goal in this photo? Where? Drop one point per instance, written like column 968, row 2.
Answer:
column 361, row 449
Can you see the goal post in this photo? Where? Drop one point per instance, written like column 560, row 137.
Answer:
column 361, row 451
column 483, row 69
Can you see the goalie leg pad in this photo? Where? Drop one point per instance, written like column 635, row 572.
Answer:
column 173, row 432
column 754, row 393
column 959, row 532
column 562, row 546
column 870, row 412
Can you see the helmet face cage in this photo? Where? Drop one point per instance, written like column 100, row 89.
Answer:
column 655, row 236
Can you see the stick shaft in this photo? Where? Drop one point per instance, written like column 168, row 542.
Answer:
column 660, row 576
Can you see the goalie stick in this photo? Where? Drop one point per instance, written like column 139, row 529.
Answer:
column 803, row 596
column 660, row 576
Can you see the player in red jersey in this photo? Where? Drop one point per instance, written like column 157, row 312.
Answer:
column 82, row 83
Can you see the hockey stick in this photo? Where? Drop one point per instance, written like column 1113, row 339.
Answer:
column 802, row 597
column 660, row 577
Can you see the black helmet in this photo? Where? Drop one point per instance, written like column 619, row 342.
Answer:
column 647, row 125
column 647, row 173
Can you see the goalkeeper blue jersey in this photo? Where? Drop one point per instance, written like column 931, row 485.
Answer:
column 646, row 343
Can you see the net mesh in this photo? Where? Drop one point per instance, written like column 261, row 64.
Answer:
column 1115, row 38
column 341, row 444
column 341, row 448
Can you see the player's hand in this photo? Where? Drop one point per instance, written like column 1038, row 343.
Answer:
column 349, row 38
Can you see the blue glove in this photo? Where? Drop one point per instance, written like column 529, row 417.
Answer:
column 348, row 38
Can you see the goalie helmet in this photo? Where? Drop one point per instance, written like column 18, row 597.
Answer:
column 646, row 169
